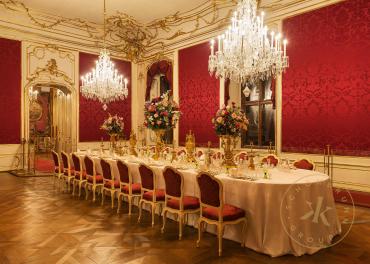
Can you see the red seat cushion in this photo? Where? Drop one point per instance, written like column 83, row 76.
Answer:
column 229, row 213
column 189, row 202
column 99, row 179
column 108, row 184
column 136, row 188
column 77, row 175
column 158, row 193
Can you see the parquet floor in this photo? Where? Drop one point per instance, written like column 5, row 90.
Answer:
column 41, row 225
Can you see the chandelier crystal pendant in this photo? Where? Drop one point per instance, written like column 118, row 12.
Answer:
column 246, row 52
column 104, row 83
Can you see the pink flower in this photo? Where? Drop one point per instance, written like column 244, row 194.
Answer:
column 159, row 122
column 155, row 115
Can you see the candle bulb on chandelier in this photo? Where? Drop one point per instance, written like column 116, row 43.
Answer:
column 262, row 15
column 272, row 38
column 285, row 42
column 219, row 43
column 126, row 81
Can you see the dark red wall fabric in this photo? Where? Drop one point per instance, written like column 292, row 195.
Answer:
column 326, row 90
column 10, row 91
column 92, row 114
column 199, row 95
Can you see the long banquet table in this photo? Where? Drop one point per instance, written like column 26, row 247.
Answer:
column 283, row 214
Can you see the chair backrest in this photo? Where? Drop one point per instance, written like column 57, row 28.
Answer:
column 55, row 159
column 304, row 164
column 76, row 163
column 65, row 160
column 106, row 169
column 174, row 182
column 272, row 159
column 147, row 177
column 199, row 153
column 124, row 172
column 89, row 166
column 218, row 155
column 180, row 152
column 210, row 190
column 241, row 156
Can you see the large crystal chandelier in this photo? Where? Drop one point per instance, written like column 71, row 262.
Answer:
column 104, row 84
column 247, row 51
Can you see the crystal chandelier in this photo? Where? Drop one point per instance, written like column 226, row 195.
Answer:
column 246, row 52
column 104, row 84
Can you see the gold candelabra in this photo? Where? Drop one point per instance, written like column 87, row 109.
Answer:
column 251, row 156
column 190, row 146
column 133, row 142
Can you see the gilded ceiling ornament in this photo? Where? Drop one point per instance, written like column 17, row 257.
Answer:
column 134, row 40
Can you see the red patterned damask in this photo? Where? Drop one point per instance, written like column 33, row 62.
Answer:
column 92, row 114
column 199, row 95
column 326, row 90
column 10, row 91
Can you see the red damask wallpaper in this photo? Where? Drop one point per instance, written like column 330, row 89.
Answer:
column 199, row 95
column 326, row 90
column 10, row 91
column 92, row 114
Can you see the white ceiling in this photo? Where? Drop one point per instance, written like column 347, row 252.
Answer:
column 92, row 10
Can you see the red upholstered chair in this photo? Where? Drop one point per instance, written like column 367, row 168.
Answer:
column 94, row 180
column 181, row 152
column 272, row 159
column 175, row 200
column 199, row 153
column 127, row 187
column 58, row 168
column 214, row 211
column 110, row 184
column 79, row 174
column 304, row 164
column 68, row 170
column 149, row 192
column 218, row 155
column 241, row 156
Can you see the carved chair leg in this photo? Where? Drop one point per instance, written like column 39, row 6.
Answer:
column 200, row 231
column 220, row 231
column 129, row 198
column 180, row 225
column 102, row 197
column 153, row 213
column 164, row 220
column 140, row 210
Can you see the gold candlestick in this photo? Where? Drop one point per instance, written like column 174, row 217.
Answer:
column 190, row 146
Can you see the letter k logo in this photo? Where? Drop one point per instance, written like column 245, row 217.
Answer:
column 315, row 214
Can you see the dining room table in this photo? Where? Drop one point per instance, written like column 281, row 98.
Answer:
column 292, row 211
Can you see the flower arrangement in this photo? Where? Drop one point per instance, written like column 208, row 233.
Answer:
column 230, row 120
column 113, row 125
column 161, row 112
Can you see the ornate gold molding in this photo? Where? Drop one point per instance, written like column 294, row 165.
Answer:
column 130, row 38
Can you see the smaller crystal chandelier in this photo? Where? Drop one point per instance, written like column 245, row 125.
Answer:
column 104, row 84
column 245, row 51
column 32, row 94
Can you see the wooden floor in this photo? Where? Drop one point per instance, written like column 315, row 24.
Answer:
column 41, row 225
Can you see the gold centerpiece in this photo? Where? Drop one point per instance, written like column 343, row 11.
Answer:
column 190, row 147
column 229, row 122
column 228, row 143
column 113, row 125
column 161, row 115
column 133, row 142
column 159, row 143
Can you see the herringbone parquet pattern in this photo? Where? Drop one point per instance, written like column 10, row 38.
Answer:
column 41, row 225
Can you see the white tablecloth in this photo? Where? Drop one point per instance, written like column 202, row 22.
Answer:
column 291, row 213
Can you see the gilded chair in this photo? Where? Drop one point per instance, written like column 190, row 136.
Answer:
column 94, row 180
column 79, row 173
column 149, row 192
column 175, row 200
column 241, row 156
column 199, row 153
column 271, row 159
column 58, row 168
column 68, row 170
column 110, row 184
column 218, row 155
column 214, row 211
column 181, row 152
column 304, row 164
column 127, row 187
